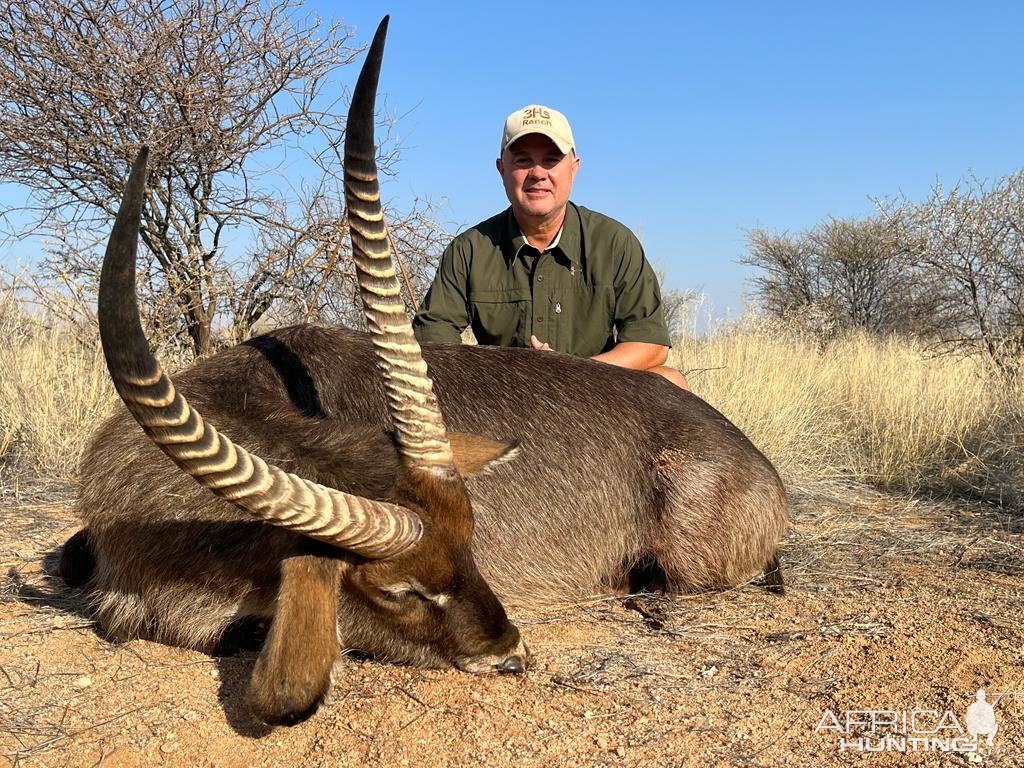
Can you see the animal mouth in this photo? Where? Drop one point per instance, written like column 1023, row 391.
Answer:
column 513, row 662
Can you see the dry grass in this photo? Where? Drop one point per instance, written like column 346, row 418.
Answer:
column 53, row 390
column 885, row 412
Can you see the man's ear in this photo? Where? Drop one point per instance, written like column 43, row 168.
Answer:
column 500, row 166
column 478, row 455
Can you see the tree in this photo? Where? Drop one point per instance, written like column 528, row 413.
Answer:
column 791, row 279
column 967, row 248
column 237, row 102
column 842, row 273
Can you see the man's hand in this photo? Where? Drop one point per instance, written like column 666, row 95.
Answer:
column 537, row 344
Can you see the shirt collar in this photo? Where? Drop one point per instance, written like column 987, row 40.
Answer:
column 566, row 242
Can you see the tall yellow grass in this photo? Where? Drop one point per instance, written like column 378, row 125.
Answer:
column 54, row 389
column 887, row 412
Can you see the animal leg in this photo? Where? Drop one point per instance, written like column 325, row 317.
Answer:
column 293, row 672
column 77, row 561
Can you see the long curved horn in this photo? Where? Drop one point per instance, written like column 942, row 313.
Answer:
column 422, row 439
column 369, row 528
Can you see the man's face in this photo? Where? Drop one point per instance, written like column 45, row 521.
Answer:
column 537, row 177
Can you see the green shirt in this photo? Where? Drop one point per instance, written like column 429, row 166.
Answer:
column 593, row 289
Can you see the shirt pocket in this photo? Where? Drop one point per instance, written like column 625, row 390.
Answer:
column 591, row 321
column 501, row 317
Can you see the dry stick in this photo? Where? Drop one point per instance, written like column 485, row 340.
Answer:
column 1011, row 687
column 45, row 745
column 405, row 275
column 332, row 262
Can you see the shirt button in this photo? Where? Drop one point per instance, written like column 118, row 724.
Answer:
column 540, row 320
column 540, row 277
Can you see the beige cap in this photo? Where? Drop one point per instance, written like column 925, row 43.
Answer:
column 537, row 119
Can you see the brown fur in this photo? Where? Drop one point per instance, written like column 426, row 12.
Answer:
column 612, row 466
column 293, row 672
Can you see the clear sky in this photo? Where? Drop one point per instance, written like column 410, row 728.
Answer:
column 697, row 121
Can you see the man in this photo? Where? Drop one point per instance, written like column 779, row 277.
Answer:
column 546, row 272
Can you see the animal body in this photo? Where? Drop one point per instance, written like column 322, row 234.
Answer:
column 336, row 502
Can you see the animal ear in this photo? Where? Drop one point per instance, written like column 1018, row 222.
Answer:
column 478, row 455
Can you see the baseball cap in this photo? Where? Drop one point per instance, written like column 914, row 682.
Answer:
column 535, row 118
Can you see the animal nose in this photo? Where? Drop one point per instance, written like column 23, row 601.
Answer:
column 513, row 665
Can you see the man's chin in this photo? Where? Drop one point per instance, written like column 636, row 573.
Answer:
column 537, row 210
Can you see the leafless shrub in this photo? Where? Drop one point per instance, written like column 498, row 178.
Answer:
column 239, row 103
column 842, row 274
column 967, row 252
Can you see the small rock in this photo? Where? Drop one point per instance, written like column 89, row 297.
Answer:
column 602, row 742
column 83, row 682
column 620, row 751
column 168, row 747
column 588, row 714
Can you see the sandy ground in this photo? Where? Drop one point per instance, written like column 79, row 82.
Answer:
column 892, row 606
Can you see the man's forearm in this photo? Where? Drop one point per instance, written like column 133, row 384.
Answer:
column 427, row 329
column 638, row 355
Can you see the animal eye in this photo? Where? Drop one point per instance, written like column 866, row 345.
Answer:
column 402, row 593
column 405, row 593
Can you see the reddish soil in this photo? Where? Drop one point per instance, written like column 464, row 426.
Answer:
column 891, row 606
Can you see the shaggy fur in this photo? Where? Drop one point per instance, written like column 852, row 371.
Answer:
column 613, row 466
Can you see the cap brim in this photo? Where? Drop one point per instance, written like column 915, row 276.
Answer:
column 563, row 146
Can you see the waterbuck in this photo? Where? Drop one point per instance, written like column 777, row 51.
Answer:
column 372, row 523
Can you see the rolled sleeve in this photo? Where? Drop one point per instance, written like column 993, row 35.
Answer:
column 639, row 315
column 444, row 312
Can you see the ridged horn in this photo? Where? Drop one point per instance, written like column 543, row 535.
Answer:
column 370, row 528
column 419, row 426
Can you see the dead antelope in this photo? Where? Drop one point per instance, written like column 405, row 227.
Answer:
column 371, row 523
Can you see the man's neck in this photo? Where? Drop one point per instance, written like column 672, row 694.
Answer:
column 541, row 232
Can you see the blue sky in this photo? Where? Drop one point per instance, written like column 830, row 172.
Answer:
column 697, row 121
